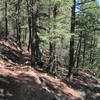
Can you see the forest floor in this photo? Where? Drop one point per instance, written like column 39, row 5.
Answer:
column 22, row 82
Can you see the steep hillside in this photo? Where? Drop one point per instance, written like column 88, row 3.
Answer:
column 19, row 81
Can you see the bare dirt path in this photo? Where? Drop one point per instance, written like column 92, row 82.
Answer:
column 21, row 82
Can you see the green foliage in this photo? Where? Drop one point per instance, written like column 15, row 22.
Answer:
column 87, row 22
column 50, row 29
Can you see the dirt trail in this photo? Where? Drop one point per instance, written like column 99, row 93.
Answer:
column 21, row 82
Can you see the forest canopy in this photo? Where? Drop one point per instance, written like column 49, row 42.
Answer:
column 62, row 32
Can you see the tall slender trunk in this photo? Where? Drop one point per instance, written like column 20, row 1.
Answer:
column 72, row 30
column 33, row 39
column 18, row 24
column 84, row 50
column 91, row 52
column 79, row 51
column 29, row 22
column 50, row 44
column 38, row 52
column 6, row 20
column 94, row 43
column 76, row 52
column 54, row 44
column 29, row 25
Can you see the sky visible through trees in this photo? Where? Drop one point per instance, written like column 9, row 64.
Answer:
column 98, row 2
column 78, row 7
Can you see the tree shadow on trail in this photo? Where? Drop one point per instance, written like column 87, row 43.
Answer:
column 9, row 85
column 24, row 87
column 14, row 55
column 82, row 83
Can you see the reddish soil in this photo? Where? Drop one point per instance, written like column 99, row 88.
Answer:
column 22, row 82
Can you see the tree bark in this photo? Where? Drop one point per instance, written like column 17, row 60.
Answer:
column 71, row 51
column 94, row 44
column 84, row 50
column 79, row 51
column 18, row 24
column 29, row 25
column 33, row 39
column 6, row 19
column 52, row 46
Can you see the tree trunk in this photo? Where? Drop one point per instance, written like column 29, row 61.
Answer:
column 76, row 52
column 84, row 50
column 6, row 20
column 71, row 51
column 94, row 44
column 29, row 25
column 79, row 51
column 91, row 52
column 18, row 24
column 52, row 46
column 33, row 39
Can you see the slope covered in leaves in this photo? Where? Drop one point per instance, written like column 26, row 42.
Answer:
column 21, row 82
